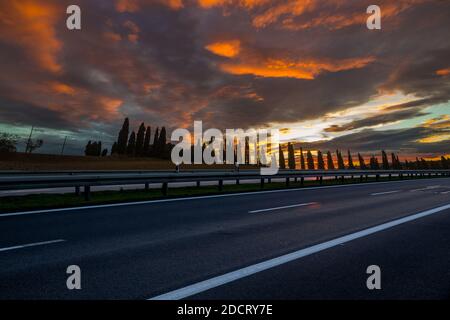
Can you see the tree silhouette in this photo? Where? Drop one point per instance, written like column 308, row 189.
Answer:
column 148, row 133
column 374, row 165
column 88, row 148
column 123, row 137
column 384, row 160
column 114, row 148
column 302, row 160
column 320, row 162
column 131, row 148
column 291, row 156
column 162, row 142
column 310, row 160
column 444, row 162
column 341, row 165
column 8, row 142
column 155, row 142
column 350, row 160
column 330, row 163
column 362, row 164
column 140, row 140
column 104, row 152
column 423, row 164
column 281, row 158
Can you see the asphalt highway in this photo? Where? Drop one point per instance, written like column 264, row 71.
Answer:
column 294, row 244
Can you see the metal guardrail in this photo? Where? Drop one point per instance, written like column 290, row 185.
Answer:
column 85, row 179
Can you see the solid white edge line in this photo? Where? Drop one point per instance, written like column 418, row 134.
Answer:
column 284, row 207
column 265, row 265
column 31, row 245
column 192, row 198
column 386, row 192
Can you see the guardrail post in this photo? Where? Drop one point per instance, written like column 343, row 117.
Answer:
column 361, row 178
column 198, row 184
column 77, row 190
column 342, row 179
column 262, row 183
column 87, row 193
column 147, row 186
column 238, row 182
column 287, row 181
column 377, row 177
column 269, row 180
column 390, row 176
column 321, row 179
column 165, row 188
column 302, row 181
column 220, row 185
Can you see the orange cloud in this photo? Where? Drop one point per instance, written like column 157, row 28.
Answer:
column 62, row 88
column 285, row 12
column 135, row 5
column 227, row 49
column 283, row 68
column 441, row 122
column 443, row 72
column 30, row 24
column 243, row 3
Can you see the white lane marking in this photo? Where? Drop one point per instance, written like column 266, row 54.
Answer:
column 193, row 198
column 265, row 265
column 387, row 192
column 285, row 207
column 426, row 188
column 445, row 192
column 31, row 245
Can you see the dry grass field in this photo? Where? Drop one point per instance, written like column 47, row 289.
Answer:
column 46, row 162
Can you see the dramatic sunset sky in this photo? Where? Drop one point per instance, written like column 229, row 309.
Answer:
column 309, row 67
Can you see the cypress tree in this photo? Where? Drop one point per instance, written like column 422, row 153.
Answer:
column 407, row 164
column 131, row 148
column 291, row 156
column 320, row 162
column 444, row 163
column 87, row 149
column 350, row 160
column 302, row 160
column 123, row 137
column 362, row 164
column 385, row 160
column 246, row 151
column 140, row 140
column 374, row 165
column 155, row 142
column 98, row 150
column 417, row 164
column 146, row 149
column 281, row 158
column 330, row 163
column 341, row 165
column 162, row 142
column 114, row 148
column 424, row 164
column 310, row 160
column 104, row 152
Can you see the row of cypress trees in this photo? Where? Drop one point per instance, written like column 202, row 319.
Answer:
column 140, row 144
column 310, row 164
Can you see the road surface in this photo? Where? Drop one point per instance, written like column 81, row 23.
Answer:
column 295, row 244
